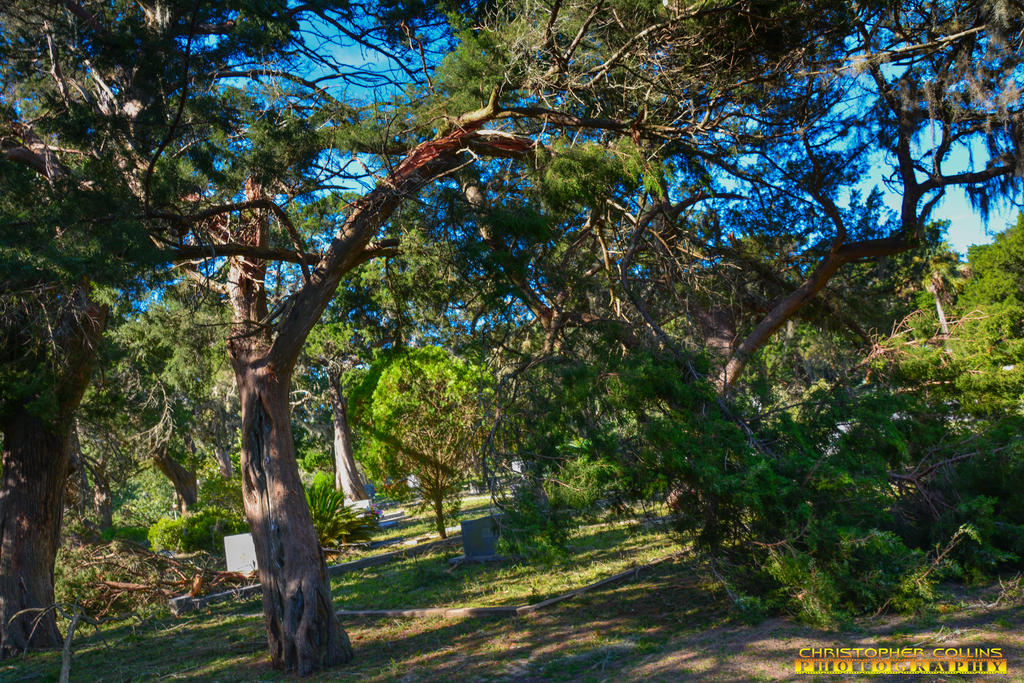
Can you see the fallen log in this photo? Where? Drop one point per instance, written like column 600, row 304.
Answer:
column 122, row 585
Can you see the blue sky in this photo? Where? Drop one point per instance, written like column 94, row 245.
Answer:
column 966, row 225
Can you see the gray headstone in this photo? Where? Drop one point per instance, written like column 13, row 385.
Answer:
column 240, row 553
column 479, row 537
column 359, row 504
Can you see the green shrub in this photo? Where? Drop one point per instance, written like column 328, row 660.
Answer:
column 322, row 479
column 533, row 527
column 314, row 458
column 136, row 534
column 216, row 491
column 335, row 522
column 202, row 530
column 859, row 570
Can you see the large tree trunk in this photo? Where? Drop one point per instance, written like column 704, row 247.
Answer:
column 223, row 436
column 346, row 476
column 78, row 489
column 302, row 628
column 303, row 631
column 224, row 465
column 36, row 461
column 186, row 488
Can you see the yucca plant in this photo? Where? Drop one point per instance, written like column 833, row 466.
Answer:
column 335, row 522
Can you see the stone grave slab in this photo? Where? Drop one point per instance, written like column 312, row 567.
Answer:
column 479, row 541
column 240, row 552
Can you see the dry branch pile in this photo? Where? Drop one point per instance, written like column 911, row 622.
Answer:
column 121, row 576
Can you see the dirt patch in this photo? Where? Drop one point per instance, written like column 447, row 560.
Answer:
column 766, row 652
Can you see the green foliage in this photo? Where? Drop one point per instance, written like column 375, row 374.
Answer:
column 826, row 584
column 313, row 456
column 532, row 527
column 321, row 479
column 582, row 175
column 467, row 76
column 419, row 413
column 203, row 530
column 219, row 492
column 649, row 430
column 581, row 477
column 142, row 499
column 979, row 366
column 136, row 534
column 800, row 509
column 334, row 521
column 968, row 387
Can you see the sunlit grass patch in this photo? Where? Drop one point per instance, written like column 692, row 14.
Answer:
column 430, row 581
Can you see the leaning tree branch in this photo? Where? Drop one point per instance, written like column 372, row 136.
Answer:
column 191, row 252
column 424, row 164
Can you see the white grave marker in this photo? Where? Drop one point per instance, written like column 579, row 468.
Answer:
column 240, row 553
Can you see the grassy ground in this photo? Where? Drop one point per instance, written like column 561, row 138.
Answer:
column 667, row 624
column 429, row 580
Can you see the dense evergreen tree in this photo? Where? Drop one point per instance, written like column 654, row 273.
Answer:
column 422, row 416
column 638, row 194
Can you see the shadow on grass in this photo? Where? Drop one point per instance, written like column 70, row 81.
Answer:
column 664, row 626
column 430, row 581
column 228, row 646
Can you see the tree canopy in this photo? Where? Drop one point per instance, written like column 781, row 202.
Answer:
column 422, row 416
column 694, row 251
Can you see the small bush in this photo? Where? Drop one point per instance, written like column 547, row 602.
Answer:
column 202, row 530
column 335, row 522
column 322, row 479
column 532, row 527
column 315, row 459
column 216, row 491
column 136, row 534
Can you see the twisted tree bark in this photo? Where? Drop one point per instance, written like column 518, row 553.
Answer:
column 303, row 631
column 36, row 460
